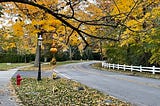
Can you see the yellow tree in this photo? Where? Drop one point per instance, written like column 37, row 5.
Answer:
column 139, row 19
column 72, row 9
column 69, row 11
column 115, row 17
column 31, row 21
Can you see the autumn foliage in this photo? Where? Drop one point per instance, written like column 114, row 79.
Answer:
column 121, row 24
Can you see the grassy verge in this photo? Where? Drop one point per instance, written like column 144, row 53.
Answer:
column 133, row 73
column 7, row 66
column 61, row 92
column 68, row 62
column 46, row 67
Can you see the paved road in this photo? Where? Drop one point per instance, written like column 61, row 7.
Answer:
column 137, row 90
column 5, row 97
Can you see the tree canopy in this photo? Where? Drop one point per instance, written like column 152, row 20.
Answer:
column 128, row 22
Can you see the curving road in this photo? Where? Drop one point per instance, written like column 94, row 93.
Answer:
column 137, row 90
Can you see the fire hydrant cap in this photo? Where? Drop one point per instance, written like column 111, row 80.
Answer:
column 18, row 76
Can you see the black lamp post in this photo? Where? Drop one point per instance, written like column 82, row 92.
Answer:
column 39, row 56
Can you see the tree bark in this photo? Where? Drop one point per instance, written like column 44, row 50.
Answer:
column 37, row 56
column 70, row 52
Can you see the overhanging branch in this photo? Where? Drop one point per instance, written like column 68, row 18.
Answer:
column 30, row 2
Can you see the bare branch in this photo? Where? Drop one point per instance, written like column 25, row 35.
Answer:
column 71, row 8
column 69, row 37
column 130, row 11
column 116, row 6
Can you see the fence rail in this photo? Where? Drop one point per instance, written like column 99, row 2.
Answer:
column 124, row 67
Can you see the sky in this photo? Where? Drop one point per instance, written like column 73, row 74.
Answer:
column 5, row 20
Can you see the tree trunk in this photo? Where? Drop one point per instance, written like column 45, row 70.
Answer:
column 70, row 52
column 45, row 52
column 37, row 56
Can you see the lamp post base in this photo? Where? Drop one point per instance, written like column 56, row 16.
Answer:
column 39, row 76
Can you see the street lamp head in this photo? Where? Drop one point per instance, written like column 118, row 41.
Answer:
column 40, row 38
column 25, row 35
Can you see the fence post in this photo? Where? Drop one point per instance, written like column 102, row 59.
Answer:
column 113, row 66
column 140, row 68
column 153, row 71
column 118, row 66
column 102, row 64
column 109, row 65
column 124, row 67
column 131, row 68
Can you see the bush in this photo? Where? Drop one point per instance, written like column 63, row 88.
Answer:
column 16, row 58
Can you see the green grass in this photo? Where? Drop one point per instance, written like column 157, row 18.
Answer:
column 7, row 66
column 61, row 92
column 46, row 67
column 68, row 62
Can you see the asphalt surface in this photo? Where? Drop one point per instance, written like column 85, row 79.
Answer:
column 136, row 90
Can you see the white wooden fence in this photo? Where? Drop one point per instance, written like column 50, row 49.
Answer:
column 131, row 68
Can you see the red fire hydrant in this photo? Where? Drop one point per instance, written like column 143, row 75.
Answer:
column 19, row 79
